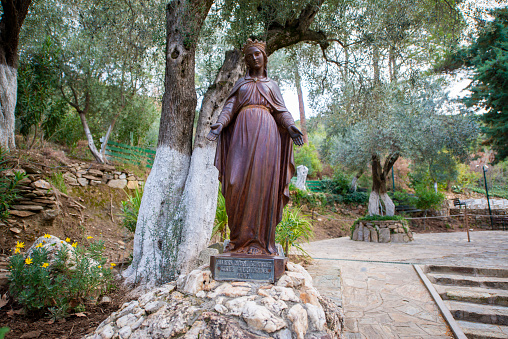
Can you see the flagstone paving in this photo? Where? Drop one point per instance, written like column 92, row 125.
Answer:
column 382, row 295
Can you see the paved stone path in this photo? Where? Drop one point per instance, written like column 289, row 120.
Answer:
column 382, row 295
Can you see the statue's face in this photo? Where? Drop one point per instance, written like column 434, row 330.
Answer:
column 254, row 58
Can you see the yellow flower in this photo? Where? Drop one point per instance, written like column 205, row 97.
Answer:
column 47, row 236
column 39, row 245
column 68, row 239
column 16, row 250
column 99, row 266
column 20, row 244
column 112, row 265
column 89, row 237
column 45, row 265
column 74, row 244
column 28, row 261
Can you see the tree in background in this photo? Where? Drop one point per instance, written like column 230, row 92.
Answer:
column 40, row 108
column 13, row 15
column 107, row 57
column 488, row 55
column 378, row 50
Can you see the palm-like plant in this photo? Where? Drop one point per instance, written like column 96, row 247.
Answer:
column 293, row 228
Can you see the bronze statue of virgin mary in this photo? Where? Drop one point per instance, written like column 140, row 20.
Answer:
column 255, row 156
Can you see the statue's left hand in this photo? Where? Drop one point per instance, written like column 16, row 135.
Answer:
column 296, row 135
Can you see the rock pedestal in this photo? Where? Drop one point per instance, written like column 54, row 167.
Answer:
column 196, row 306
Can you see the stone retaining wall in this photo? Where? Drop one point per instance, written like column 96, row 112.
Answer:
column 84, row 174
column 382, row 231
column 34, row 196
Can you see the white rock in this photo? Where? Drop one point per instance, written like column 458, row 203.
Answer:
column 126, row 320
column 117, row 183
column 196, row 281
column 236, row 306
column 107, row 332
column 201, row 294
column 298, row 317
column 275, row 306
column 146, row 298
column 220, row 308
column 42, row 184
column 83, row 181
column 138, row 323
column 125, row 332
column 317, row 316
column 259, row 318
column 299, row 269
column 309, row 295
column 283, row 293
column 220, row 290
column 154, row 306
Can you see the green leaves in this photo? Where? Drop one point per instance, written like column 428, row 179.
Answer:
column 130, row 210
column 293, row 229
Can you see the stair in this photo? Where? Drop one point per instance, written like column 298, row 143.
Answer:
column 476, row 297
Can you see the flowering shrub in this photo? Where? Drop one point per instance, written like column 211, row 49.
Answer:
column 56, row 277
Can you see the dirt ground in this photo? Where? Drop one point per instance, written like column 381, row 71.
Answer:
column 100, row 219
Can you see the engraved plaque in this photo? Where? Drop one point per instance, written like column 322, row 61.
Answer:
column 244, row 269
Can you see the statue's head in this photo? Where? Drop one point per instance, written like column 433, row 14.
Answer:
column 251, row 49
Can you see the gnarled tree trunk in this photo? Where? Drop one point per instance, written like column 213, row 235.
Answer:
column 159, row 226
column 379, row 178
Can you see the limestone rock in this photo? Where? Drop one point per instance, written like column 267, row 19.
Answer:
column 384, row 235
column 27, row 207
column 21, row 214
column 204, row 256
column 117, row 183
column 42, row 184
column 298, row 316
column 228, row 310
column 317, row 316
column 132, row 184
column 259, row 318
column 83, row 182
column 283, row 293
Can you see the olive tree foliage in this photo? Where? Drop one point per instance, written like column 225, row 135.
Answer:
column 12, row 17
column 379, row 50
column 176, row 214
column 108, row 57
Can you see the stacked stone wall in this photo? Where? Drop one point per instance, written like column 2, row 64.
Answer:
column 83, row 174
column 382, row 231
column 34, row 195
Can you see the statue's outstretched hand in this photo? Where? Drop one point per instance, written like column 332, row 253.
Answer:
column 296, row 135
column 215, row 130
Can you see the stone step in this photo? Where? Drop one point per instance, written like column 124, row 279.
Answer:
column 464, row 270
column 487, row 314
column 477, row 295
column 465, row 280
column 483, row 331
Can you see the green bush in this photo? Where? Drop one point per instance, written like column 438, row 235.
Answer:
column 338, row 185
column 356, row 198
column 221, row 218
column 293, row 228
column 307, row 155
column 62, row 285
column 130, row 210
column 427, row 198
column 8, row 187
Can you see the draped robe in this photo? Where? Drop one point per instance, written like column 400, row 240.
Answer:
column 255, row 161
